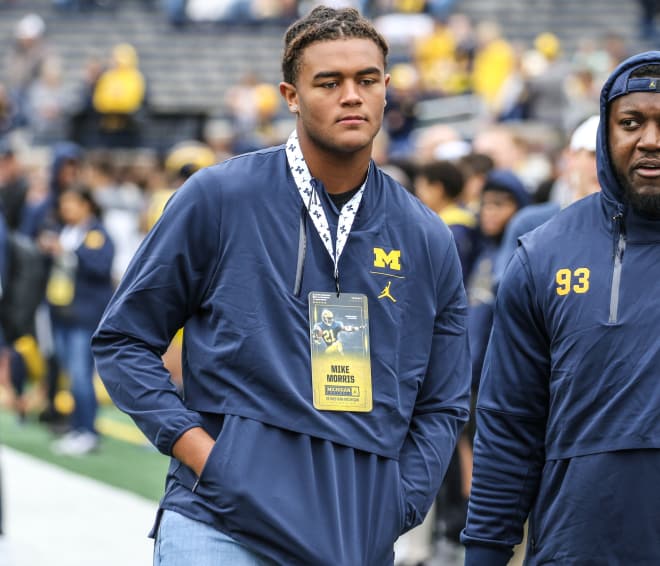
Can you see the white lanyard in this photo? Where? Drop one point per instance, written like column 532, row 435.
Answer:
column 308, row 194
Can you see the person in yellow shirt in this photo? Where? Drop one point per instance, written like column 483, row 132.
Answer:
column 494, row 62
column 118, row 96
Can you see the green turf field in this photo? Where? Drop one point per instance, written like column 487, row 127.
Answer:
column 124, row 459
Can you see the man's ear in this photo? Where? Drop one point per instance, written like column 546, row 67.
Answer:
column 290, row 95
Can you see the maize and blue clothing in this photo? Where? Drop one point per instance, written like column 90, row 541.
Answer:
column 78, row 291
column 232, row 260
column 568, row 409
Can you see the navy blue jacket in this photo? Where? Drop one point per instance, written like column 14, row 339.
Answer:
column 569, row 405
column 299, row 485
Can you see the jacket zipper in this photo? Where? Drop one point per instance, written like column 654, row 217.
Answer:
column 620, row 248
column 302, row 250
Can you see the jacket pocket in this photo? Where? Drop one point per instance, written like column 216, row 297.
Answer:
column 210, row 463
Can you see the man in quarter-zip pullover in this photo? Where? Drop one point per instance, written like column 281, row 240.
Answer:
column 284, row 450
column 568, row 410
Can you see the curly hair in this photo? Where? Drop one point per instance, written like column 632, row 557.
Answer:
column 325, row 24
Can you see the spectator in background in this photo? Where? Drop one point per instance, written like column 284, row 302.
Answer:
column 23, row 279
column 545, row 84
column 439, row 185
column 48, row 105
column 79, row 288
column 122, row 204
column 13, row 185
column 23, row 61
column 502, row 196
column 427, row 140
column 568, row 429
column 119, row 98
column 40, row 211
column 83, row 123
column 23, row 275
column 510, row 148
column 400, row 118
column 41, row 214
column 475, row 168
column 578, row 180
column 582, row 90
column 494, row 61
column 184, row 159
column 252, row 106
column 616, row 47
column 433, row 55
column 502, row 144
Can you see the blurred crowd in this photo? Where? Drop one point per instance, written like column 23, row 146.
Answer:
column 480, row 128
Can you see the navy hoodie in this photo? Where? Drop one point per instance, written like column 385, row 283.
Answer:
column 569, row 405
column 298, row 485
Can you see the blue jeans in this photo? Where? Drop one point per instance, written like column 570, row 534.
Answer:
column 74, row 353
column 181, row 541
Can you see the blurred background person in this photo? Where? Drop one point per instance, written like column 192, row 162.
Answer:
column 79, row 288
column 439, row 185
column 122, row 204
column 48, row 105
column 120, row 98
column 41, row 214
column 475, row 168
column 502, row 196
column 23, row 61
column 578, row 179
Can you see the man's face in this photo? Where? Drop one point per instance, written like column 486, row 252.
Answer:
column 340, row 94
column 634, row 144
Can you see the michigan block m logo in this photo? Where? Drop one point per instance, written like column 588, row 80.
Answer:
column 390, row 259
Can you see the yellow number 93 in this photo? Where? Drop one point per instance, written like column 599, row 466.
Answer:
column 576, row 281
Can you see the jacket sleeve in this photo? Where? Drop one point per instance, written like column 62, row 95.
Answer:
column 442, row 404
column 511, row 417
column 162, row 287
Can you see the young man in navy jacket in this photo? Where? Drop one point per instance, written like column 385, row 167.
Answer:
column 283, row 453
column 568, row 429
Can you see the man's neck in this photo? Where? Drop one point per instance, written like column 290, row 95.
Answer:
column 339, row 173
column 340, row 199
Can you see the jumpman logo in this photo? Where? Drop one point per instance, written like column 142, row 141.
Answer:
column 386, row 293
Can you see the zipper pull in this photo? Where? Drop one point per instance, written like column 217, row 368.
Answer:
column 619, row 233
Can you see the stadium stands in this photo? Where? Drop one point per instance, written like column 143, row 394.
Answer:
column 190, row 69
